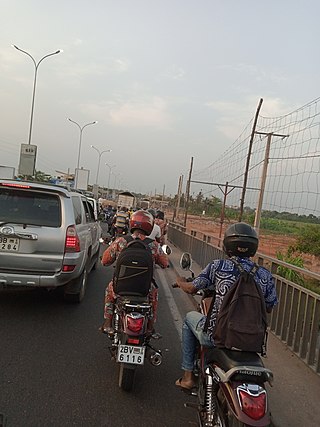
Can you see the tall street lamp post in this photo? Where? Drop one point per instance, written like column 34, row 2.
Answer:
column 36, row 66
column 116, row 179
column 100, row 154
column 81, row 130
column 110, row 169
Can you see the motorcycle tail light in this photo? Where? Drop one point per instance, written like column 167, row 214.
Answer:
column 135, row 322
column 253, row 406
column 133, row 341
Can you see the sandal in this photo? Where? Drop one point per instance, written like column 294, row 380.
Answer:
column 183, row 388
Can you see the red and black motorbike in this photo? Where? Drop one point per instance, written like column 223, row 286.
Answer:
column 131, row 342
column 231, row 388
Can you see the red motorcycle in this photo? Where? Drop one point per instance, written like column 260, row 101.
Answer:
column 231, row 388
column 130, row 344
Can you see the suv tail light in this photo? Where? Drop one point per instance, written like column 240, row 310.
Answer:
column 14, row 184
column 72, row 243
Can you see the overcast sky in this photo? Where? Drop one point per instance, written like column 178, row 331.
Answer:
column 166, row 80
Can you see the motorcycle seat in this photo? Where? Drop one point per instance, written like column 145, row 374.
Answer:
column 228, row 359
column 134, row 298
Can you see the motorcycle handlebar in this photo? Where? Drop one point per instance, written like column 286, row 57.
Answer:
column 175, row 285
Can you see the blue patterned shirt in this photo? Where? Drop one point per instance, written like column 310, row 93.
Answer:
column 221, row 274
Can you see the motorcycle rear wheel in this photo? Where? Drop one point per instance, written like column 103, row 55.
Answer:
column 234, row 422
column 218, row 422
column 126, row 377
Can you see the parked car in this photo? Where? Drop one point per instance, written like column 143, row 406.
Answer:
column 49, row 238
column 94, row 204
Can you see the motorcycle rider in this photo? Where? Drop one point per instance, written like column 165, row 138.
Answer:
column 141, row 224
column 241, row 242
column 120, row 222
column 156, row 231
column 163, row 224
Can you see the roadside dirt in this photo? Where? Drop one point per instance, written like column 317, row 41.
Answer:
column 270, row 244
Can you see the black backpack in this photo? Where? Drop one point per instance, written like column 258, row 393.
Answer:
column 242, row 319
column 133, row 273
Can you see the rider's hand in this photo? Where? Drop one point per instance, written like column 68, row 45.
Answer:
column 180, row 280
column 185, row 285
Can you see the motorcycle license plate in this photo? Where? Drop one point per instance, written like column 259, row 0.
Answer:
column 131, row 354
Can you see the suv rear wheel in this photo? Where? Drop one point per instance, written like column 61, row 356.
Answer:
column 80, row 285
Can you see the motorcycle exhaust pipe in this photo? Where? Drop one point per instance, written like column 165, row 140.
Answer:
column 155, row 358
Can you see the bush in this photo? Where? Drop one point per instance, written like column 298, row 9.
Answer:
column 309, row 240
column 286, row 272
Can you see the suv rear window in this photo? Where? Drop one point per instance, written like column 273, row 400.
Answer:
column 29, row 207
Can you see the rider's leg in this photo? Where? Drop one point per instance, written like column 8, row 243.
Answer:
column 153, row 297
column 109, row 300
column 192, row 333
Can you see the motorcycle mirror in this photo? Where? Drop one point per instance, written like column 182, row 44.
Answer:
column 105, row 239
column 166, row 249
column 186, row 261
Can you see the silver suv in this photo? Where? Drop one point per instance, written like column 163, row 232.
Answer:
column 49, row 238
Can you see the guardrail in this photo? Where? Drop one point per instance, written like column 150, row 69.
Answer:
column 295, row 320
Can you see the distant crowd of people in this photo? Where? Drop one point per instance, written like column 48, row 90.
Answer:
column 118, row 221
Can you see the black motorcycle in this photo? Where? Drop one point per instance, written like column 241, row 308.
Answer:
column 231, row 388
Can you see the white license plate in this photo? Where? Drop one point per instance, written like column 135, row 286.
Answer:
column 9, row 244
column 131, row 354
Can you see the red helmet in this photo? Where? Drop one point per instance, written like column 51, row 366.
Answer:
column 141, row 220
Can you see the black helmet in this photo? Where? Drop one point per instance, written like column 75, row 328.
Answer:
column 240, row 239
column 152, row 212
column 159, row 214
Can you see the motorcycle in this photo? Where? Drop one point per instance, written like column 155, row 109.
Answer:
column 230, row 388
column 131, row 340
column 130, row 343
column 108, row 239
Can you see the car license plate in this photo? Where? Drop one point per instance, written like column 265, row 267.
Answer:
column 9, row 244
column 131, row 354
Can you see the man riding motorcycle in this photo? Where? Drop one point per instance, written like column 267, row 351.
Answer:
column 141, row 224
column 241, row 242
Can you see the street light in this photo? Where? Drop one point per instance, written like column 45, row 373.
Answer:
column 110, row 169
column 116, row 178
column 81, row 129
column 36, row 66
column 100, row 154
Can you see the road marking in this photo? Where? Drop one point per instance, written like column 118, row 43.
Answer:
column 166, row 288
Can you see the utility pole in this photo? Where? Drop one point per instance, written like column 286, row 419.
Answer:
column 227, row 189
column 188, row 194
column 176, row 210
column 248, row 159
column 264, row 176
column 162, row 201
column 222, row 216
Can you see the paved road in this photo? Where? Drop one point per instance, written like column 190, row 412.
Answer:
column 55, row 369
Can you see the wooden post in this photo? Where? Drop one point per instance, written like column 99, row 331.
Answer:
column 248, row 160
column 188, row 194
column 264, row 177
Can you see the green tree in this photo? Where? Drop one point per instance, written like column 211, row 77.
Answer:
column 39, row 176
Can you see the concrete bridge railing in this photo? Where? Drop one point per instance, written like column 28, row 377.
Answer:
column 295, row 320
